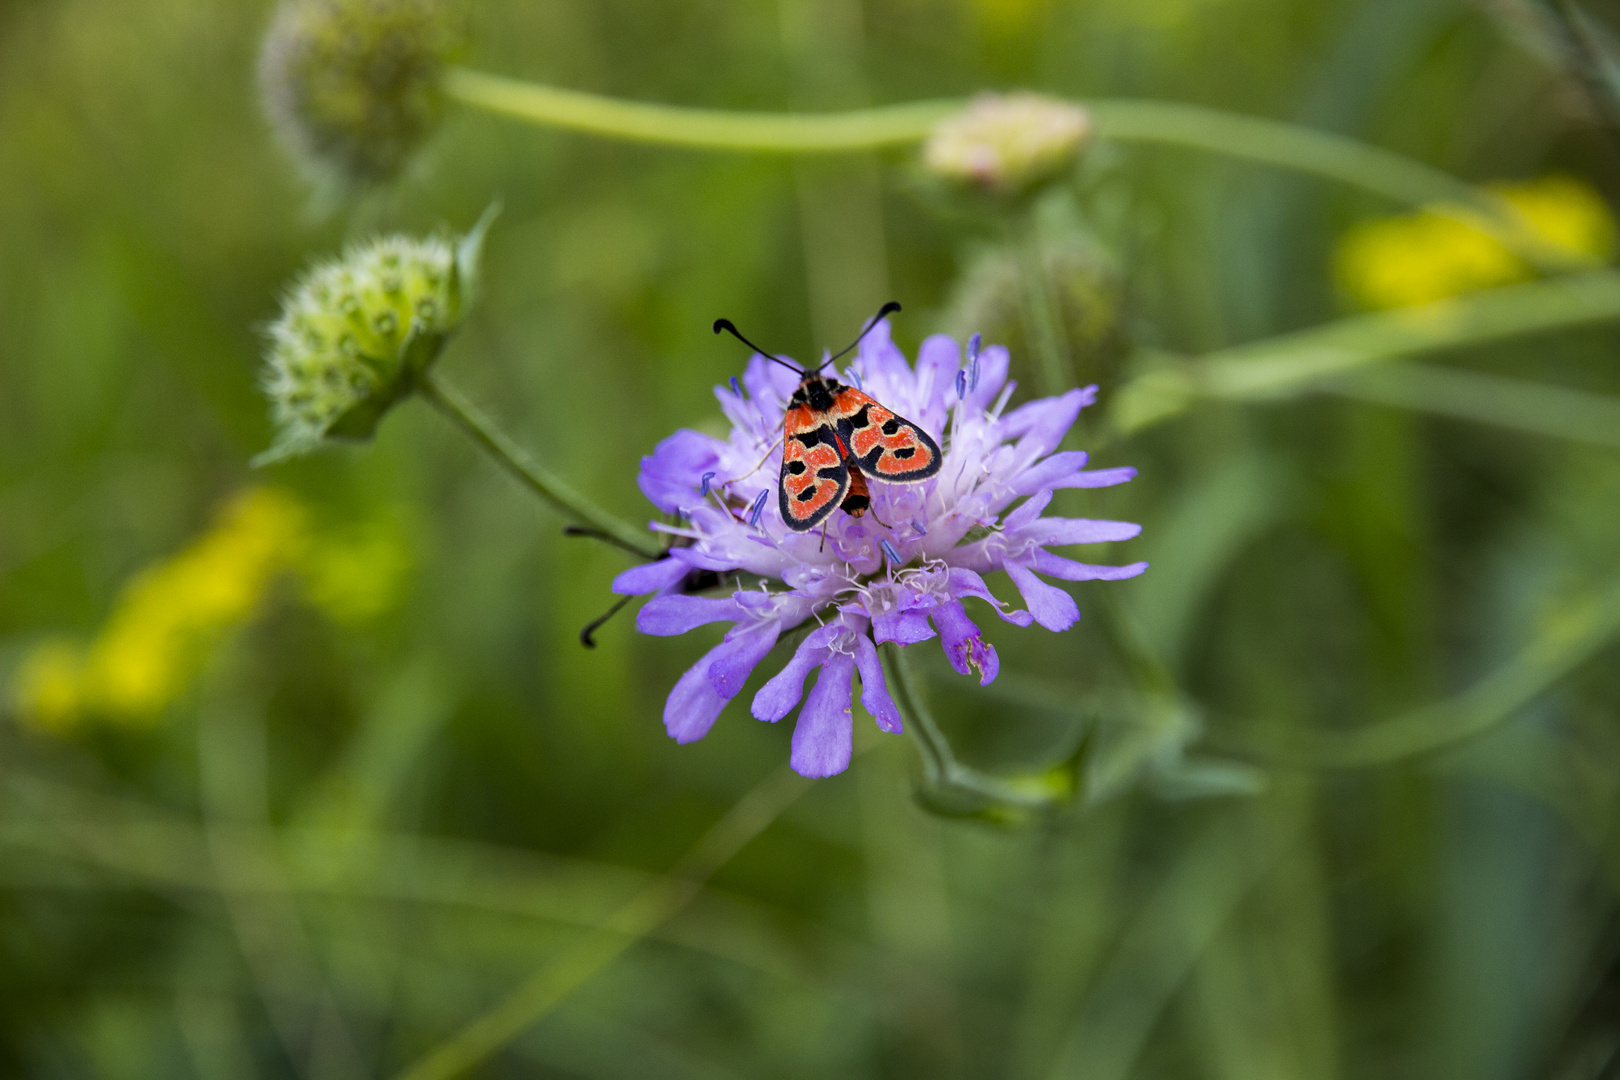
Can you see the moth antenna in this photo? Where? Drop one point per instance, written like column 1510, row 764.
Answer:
column 729, row 327
column 882, row 311
column 585, row 636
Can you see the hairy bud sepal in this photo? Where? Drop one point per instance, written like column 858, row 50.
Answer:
column 353, row 87
column 356, row 334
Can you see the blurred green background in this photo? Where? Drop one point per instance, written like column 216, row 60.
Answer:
column 363, row 780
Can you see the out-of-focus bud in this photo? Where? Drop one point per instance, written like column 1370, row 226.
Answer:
column 353, row 86
column 1008, row 144
column 355, row 334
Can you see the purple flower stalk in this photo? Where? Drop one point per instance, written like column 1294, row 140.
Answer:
column 866, row 584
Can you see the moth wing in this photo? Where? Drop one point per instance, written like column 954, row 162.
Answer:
column 814, row 476
column 885, row 445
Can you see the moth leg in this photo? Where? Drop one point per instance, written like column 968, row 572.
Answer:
column 757, row 467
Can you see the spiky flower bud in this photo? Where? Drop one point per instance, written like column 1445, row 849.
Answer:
column 353, row 86
column 1007, row 144
column 355, row 333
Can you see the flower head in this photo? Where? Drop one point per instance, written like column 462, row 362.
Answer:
column 353, row 86
column 865, row 584
column 1007, row 144
column 355, row 332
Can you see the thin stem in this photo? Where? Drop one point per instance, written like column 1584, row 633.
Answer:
column 1268, row 142
column 953, row 786
column 515, row 460
column 1576, row 631
column 1283, row 367
column 1056, row 365
column 1302, row 149
column 1557, row 412
column 710, row 129
column 652, row 907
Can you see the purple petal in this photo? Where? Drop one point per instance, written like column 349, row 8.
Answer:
column 698, row 558
column 904, row 627
column 963, row 642
column 874, row 690
column 1097, row 478
column 666, row 616
column 1061, row 531
column 649, row 577
column 694, row 703
column 1028, row 512
column 879, row 360
column 669, row 475
column 1047, row 474
column 1069, row 570
column 778, row 696
column 824, row 737
column 965, row 582
column 768, row 381
column 745, row 649
column 1052, row 607
column 937, row 361
column 1040, row 425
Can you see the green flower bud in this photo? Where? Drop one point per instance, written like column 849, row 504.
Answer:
column 353, row 86
column 1007, row 144
column 354, row 335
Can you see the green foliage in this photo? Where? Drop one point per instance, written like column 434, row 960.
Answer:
column 1327, row 793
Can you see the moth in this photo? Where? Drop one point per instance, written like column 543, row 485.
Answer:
column 835, row 436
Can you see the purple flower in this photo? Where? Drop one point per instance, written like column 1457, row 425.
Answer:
column 868, row 584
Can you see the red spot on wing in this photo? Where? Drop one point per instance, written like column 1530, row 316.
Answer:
column 807, row 495
column 887, row 446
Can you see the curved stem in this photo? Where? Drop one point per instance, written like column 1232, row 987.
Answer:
column 1286, row 366
column 711, row 129
column 536, row 477
column 1575, row 632
column 1268, row 142
column 1331, row 156
column 951, row 786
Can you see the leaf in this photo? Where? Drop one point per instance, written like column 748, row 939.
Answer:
column 464, row 279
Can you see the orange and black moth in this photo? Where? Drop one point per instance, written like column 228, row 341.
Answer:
column 835, row 436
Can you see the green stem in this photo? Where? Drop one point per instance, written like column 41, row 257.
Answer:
column 540, row 480
column 1574, row 633
column 1283, row 367
column 641, row 915
column 1043, row 324
column 1267, row 142
column 1321, row 153
column 710, row 129
column 951, row 786
column 1521, row 405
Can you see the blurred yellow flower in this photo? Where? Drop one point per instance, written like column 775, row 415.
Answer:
column 49, row 684
column 1426, row 256
column 160, row 633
